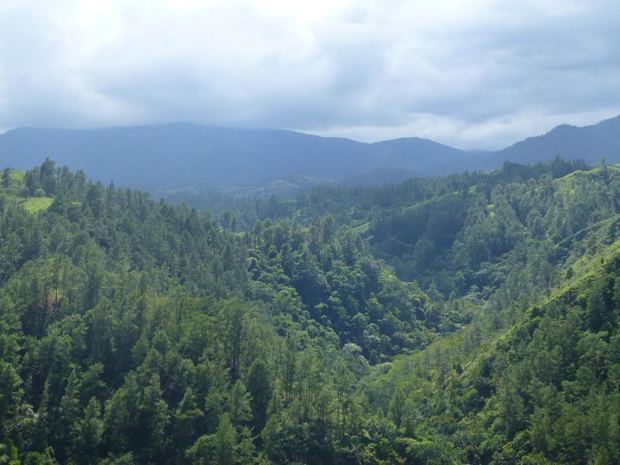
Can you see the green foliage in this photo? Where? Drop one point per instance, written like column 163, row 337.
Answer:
column 545, row 391
column 468, row 319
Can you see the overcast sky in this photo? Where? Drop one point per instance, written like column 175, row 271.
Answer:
column 473, row 74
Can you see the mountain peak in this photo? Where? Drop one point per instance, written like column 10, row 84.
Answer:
column 587, row 143
column 562, row 128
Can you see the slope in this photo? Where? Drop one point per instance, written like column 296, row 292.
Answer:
column 546, row 390
column 132, row 331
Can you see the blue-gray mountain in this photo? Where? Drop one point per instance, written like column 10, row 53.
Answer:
column 589, row 143
column 179, row 156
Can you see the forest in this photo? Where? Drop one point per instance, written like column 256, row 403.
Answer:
column 467, row 319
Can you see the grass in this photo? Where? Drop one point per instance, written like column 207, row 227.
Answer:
column 37, row 204
column 362, row 228
column 18, row 175
column 576, row 176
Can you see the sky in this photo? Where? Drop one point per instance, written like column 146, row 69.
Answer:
column 472, row 74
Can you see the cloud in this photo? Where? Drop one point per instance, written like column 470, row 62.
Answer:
column 473, row 74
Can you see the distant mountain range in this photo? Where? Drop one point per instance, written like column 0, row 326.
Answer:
column 177, row 156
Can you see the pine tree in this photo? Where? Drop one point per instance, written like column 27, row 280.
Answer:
column 87, row 434
column 224, row 442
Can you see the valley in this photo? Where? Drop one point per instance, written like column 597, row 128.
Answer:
column 470, row 319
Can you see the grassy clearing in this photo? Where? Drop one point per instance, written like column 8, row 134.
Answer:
column 37, row 204
column 18, row 175
column 362, row 228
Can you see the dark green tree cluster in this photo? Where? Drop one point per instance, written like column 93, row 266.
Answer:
column 327, row 280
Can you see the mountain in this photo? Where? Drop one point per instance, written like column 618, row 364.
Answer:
column 589, row 143
column 422, row 156
column 164, row 159
column 184, row 155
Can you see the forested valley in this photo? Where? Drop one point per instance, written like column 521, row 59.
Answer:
column 467, row 319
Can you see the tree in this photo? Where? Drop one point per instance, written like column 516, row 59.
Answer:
column 224, row 442
column 239, row 404
column 397, row 405
column 188, row 420
column 87, row 434
column 201, row 451
column 47, row 177
column 260, row 389
column 10, row 395
column 33, row 183
column 154, row 419
column 6, row 178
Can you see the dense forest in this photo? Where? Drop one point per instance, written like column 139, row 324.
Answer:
column 468, row 319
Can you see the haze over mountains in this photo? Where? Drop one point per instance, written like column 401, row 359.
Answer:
column 180, row 155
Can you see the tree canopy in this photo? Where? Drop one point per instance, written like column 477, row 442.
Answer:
column 470, row 319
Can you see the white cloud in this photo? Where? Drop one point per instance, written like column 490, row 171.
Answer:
column 474, row 74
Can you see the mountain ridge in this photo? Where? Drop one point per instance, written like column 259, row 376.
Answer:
column 180, row 155
column 590, row 143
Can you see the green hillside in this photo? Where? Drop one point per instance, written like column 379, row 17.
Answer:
column 544, row 391
column 470, row 319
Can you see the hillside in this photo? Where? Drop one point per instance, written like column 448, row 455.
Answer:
column 544, row 391
column 133, row 331
column 137, row 332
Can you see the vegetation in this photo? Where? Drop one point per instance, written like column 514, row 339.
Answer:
column 471, row 319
